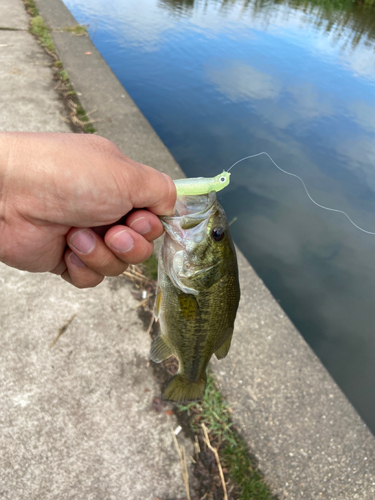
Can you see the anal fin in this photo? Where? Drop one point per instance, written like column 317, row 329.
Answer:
column 224, row 348
column 160, row 350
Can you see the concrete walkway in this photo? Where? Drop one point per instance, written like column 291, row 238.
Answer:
column 76, row 420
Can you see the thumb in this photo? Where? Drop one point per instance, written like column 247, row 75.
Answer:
column 151, row 189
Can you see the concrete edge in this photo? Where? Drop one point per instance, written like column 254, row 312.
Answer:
column 282, row 396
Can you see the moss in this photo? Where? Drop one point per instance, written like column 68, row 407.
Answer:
column 31, row 7
column 80, row 111
column 89, row 129
column 64, row 75
column 77, row 30
column 39, row 29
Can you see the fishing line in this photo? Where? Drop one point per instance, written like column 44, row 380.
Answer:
column 304, row 185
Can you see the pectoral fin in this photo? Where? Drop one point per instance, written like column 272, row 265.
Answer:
column 224, row 348
column 160, row 350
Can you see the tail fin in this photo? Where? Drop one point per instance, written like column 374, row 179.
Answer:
column 180, row 389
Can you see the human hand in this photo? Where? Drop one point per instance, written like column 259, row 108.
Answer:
column 63, row 202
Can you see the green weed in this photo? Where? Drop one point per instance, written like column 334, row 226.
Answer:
column 77, row 30
column 151, row 267
column 234, row 455
column 31, row 7
column 64, row 75
column 39, row 29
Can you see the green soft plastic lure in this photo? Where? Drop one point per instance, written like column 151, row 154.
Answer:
column 202, row 185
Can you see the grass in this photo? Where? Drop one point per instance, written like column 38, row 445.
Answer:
column 77, row 115
column 31, row 8
column 150, row 267
column 40, row 30
column 64, row 75
column 77, row 30
column 239, row 467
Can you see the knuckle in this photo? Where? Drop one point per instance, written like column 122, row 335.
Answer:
column 106, row 264
column 109, row 267
column 172, row 192
column 83, row 277
column 115, row 271
column 104, row 146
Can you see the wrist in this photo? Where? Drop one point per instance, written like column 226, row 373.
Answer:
column 10, row 146
column 4, row 166
column 4, row 162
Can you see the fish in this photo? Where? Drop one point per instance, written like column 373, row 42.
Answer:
column 197, row 293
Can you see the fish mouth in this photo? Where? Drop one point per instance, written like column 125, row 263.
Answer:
column 191, row 210
column 185, row 231
column 188, row 227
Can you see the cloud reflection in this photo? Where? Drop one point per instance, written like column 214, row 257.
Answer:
column 284, row 104
column 310, row 101
column 364, row 114
column 240, row 82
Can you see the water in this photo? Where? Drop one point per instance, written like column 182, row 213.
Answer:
column 220, row 80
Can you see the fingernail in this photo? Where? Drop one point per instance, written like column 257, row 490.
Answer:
column 83, row 241
column 141, row 225
column 121, row 242
column 76, row 260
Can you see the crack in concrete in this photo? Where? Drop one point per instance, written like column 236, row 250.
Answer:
column 2, row 28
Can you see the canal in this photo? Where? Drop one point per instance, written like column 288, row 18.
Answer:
column 220, row 80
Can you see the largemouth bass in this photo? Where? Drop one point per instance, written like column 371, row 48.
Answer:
column 197, row 293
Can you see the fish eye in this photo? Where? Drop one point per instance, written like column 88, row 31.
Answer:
column 218, row 233
column 222, row 179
